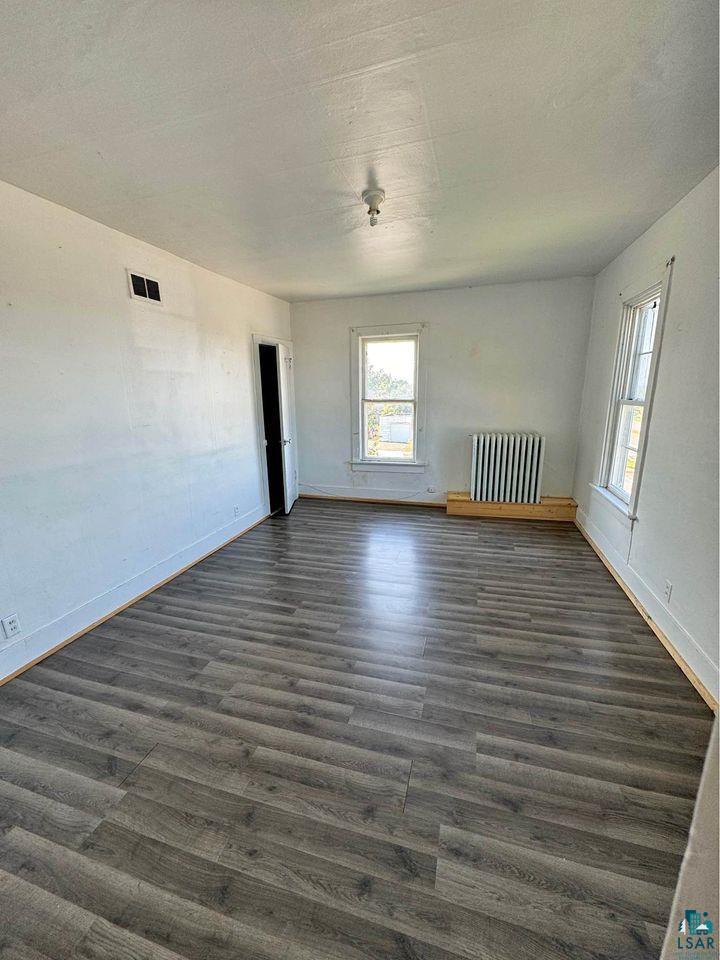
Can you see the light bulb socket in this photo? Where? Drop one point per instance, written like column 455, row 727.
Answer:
column 373, row 197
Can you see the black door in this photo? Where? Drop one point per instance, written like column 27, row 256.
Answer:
column 273, row 424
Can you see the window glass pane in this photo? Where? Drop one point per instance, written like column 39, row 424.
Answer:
column 646, row 317
column 646, row 330
column 389, row 369
column 624, row 471
column 389, row 430
column 638, row 387
column 625, row 457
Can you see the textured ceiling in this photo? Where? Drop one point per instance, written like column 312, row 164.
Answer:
column 516, row 139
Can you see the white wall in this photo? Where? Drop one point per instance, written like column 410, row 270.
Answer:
column 698, row 880
column 127, row 432
column 676, row 535
column 506, row 357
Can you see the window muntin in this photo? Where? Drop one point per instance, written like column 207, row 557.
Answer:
column 388, row 398
column 634, row 364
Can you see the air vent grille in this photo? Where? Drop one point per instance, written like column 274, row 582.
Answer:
column 144, row 288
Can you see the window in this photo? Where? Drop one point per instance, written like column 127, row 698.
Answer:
column 389, row 368
column 632, row 389
column 386, row 421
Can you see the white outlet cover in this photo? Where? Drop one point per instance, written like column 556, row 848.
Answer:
column 11, row 626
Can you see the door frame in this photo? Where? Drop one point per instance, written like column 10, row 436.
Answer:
column 257, row 339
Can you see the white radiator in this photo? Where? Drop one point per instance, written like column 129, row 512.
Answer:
column 507, row 467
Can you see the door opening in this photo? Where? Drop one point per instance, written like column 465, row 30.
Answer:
column 272, row 422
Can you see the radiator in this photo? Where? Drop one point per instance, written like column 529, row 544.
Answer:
column 507, row 467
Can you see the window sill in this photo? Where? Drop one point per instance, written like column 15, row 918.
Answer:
column 615, row 502
column 387, row 466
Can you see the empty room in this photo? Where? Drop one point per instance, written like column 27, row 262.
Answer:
column 359, row 480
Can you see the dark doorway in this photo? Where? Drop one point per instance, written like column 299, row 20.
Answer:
column 273, row 425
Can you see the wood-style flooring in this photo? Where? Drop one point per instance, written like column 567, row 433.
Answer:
column 356, row 733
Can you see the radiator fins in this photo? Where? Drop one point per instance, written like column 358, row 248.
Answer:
column 507, row 467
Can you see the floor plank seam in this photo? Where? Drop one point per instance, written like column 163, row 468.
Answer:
column 137, row 765
column 407, row 786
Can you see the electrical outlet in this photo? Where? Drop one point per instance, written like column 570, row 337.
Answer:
column 11, row 626
column 236, row 509
column 667, row 591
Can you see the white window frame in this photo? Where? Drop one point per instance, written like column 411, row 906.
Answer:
column 395, row 331
column 622, row 374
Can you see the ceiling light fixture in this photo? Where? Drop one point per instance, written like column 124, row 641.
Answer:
column 373, row 197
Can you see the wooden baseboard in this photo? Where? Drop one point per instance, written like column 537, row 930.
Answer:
column 398, row 503
column 459, row 504
column 662, row 637
column 124, row 606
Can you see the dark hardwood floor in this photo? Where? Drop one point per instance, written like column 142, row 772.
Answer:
column 357, row 732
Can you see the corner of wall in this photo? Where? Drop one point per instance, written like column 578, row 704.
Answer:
column 583, row 400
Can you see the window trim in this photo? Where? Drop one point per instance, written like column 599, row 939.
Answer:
column 393, row 331
column 624, row 352
column 631, row 323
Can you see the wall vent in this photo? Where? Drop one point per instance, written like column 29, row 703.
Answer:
column 144, row 288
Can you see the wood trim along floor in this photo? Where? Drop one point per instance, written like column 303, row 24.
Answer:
column 124, row 606
column 664, row 640
column 563, row 509
column 398, row 503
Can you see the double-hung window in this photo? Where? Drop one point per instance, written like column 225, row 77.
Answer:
column 629, row 411
column 389, row 397
column 387, row 420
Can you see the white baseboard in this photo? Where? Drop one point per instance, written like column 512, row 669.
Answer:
column 682, row 645
column 27, row 650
